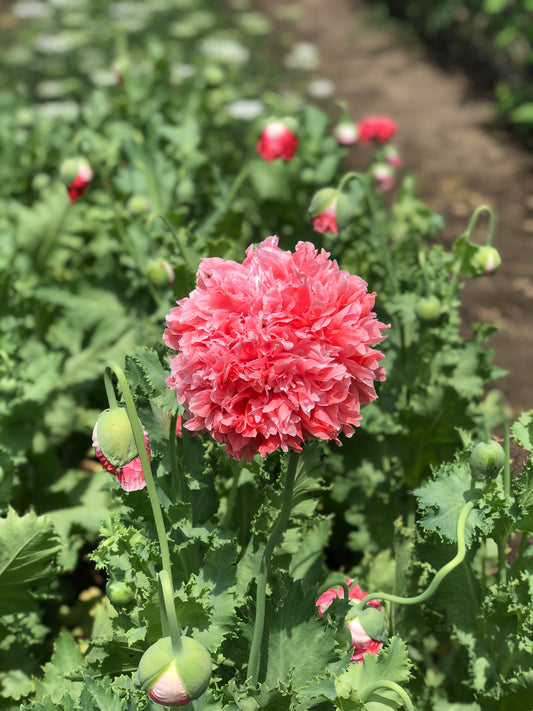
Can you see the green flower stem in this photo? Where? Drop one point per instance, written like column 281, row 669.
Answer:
column 439, row 576
column 473, row 221
column 110, row 391
column 169, row 619
column 182, row 489
column 275, row 535
column 502, row 543
column 147, row 470
column 386, row 684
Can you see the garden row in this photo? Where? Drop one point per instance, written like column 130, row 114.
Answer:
column 491, row 39
column 147, row 154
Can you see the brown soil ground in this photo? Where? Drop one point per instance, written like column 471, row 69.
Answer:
column 446, row 141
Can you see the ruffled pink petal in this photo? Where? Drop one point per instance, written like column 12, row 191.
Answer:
column 275, row 351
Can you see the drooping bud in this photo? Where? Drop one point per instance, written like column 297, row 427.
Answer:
column 278, row 139
column 346, row 133
column 115, row 448
column 368, row 630
column 76, row 174
column 486, row 260
column 383, row 174
column 160, row 273
column 366, row 627
column 329, row 210
column 486, row 460
column 174, row 679
column 392, row 156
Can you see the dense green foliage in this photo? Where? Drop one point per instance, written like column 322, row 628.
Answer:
column 146, row 93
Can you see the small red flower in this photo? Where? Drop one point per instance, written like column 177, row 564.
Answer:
column 277, row 141
column 361, row 642
column 376, row 128
column 76, row 174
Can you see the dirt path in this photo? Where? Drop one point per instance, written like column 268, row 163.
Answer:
column 459, row 162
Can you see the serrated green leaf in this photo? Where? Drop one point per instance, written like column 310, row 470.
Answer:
column 522, row 431
column 290, row 631
column 444, row 498
column 28, row 550
column 359, row 681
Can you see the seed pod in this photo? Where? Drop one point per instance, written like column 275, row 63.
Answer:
column 120, row 594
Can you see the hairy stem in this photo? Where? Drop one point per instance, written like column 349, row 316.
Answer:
column 275, row 535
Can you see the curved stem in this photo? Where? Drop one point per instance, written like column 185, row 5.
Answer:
column 147, row 470
column 473, row 221
column 275, row 535
column 439, row 576
column 169, row 619
column 385, row 683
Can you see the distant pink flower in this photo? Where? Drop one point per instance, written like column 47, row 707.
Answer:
column 361, row 643
column 129, row 474
column 346, row 133
column 384, row 176
column 277, row 141
column 275, row 351
column 376, row 128
column 326, row 221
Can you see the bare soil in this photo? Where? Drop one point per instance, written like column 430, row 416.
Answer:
column 448, row 140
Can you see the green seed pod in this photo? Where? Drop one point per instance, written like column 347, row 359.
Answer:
column 115, row 436
column 486, row 460
column 174, row 679
column 428, row 308
column 120, row 594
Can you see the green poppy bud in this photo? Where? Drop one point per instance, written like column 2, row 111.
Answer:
column 174, row 679
column 486, row 260
column 486, row 460
column 115, row 436
column 428, row 308
column 120, row 594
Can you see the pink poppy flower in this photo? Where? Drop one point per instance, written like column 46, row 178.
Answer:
column 274, row 351
column 277, row 141
column 114, row 431
column 376, row 128
column 361, row 642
